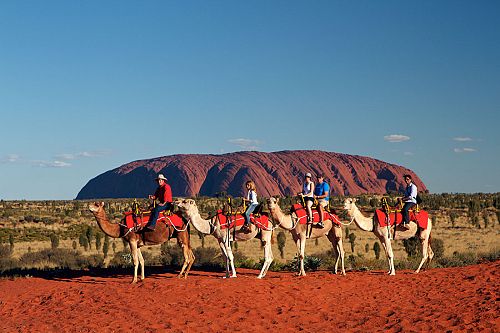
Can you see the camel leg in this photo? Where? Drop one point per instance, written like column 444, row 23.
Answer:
column 335, row 237
column 133, row 251
column 424, row 239
column 390, row 255
column 191, row 261
column 228, row 256
column 141, row 262
column 301, row 247
column 185, row 252
column 268, row 258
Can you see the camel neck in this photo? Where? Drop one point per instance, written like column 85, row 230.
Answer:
column 278, row 215
column 199, row 223
column 364, row 223
column 110, row 229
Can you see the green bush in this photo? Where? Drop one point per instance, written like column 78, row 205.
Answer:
column 209, row 258
column 437, row 246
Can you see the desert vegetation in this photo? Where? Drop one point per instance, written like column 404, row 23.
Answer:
column 52, row 235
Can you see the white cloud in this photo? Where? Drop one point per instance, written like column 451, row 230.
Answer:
column 396, row 138
column 249, row 144
column 464, row 150
column 52, row 164
column 74, row 156
column 11, row 158
column 462, row 138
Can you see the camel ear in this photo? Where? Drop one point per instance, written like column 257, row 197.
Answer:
column 102, row 203
column 277, row 199
column 354, row 200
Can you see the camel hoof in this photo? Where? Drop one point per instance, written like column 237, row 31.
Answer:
column 416, row 272
column 133, row 282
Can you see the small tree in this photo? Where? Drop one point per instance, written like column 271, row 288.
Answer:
column 11, row 243
column 98, row 238
column 411, row 246
column 367, row 248
column 105, row 247
column 74, row 245
column 347, row 233
column 90, row 236
column 202, row 238
column 114, row 247
column 54, row 241
column 376, row 249
column 281, row 243
column 352, row 238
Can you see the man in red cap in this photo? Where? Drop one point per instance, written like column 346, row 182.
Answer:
column 164, row 195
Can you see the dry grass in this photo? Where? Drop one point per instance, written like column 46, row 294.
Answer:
column 60, row 216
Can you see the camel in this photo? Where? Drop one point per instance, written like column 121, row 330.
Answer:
column 383, row 234
column 190, row 211
column 136, row 240
column 299, row 234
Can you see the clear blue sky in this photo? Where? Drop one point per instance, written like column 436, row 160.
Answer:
column 86, row 86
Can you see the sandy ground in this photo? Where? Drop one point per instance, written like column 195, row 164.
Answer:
column 464, row 299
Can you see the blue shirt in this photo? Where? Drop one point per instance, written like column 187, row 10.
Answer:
column 321, row 189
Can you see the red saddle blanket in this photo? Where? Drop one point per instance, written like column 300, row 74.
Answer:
column 261, row 221
column 142, row 219
column 421, row 218
column 301, row 213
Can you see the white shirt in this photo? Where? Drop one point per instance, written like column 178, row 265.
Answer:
column 411, row 193
column 308, row 189
column 252, row 196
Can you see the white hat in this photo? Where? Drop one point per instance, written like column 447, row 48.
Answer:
column 308, row 175
column 161, row 176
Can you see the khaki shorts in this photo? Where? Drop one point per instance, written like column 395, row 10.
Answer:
column 322, row 202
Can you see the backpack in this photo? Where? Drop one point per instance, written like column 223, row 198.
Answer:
column 418, row 199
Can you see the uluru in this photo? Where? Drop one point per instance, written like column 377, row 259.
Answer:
column 276, row 173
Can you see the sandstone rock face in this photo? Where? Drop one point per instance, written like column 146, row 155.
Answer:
column 278, row 173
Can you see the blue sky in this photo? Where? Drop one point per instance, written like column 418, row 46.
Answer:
column 86, row 86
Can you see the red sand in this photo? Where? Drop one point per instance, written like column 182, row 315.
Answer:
column 464, row 299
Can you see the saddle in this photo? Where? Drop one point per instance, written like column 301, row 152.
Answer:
column 301, row 213
column 391, row 215
column 137, row 219
column 228, row 221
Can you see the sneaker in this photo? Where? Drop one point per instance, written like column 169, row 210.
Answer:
column 320, row 225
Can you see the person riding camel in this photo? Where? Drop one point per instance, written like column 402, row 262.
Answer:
column 322, row 194
column 164, row 196
column 251, row 199
column 409, row 199
column 308, row 195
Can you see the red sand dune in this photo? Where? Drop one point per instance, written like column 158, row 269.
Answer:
column 464, row 299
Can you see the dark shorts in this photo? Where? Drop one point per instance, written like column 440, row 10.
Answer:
column 308, row 199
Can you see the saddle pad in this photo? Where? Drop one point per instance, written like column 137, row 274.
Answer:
column 421, row 218
column 238, row 220
column 142, row 219
column 301, row 213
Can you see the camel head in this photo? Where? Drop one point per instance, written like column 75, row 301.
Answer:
column 350, row 204
column 186, row 205
column 95, row 207
column 272, row 203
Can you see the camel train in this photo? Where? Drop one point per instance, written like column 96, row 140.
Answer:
column 227, row 228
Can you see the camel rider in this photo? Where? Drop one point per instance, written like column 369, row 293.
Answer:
column 252, row 202
column 308, row 195
column 409, row 199
column 164, row 196
column 322, row 194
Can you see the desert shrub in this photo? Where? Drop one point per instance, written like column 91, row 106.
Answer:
column 458, row 259
column 58, row 258
column 376, row 250
column 352, row 239
column 209, row 258
column 311, row 263
column 281, row 243
column 105, row 246
column 171, row 255
column 5, row 251
column 98, row 238
column 54, row 241
column 438, row 247
column 121, row 259
column 411, row 246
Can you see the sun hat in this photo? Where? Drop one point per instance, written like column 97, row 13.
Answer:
column 161, row 176
column 308, row 175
